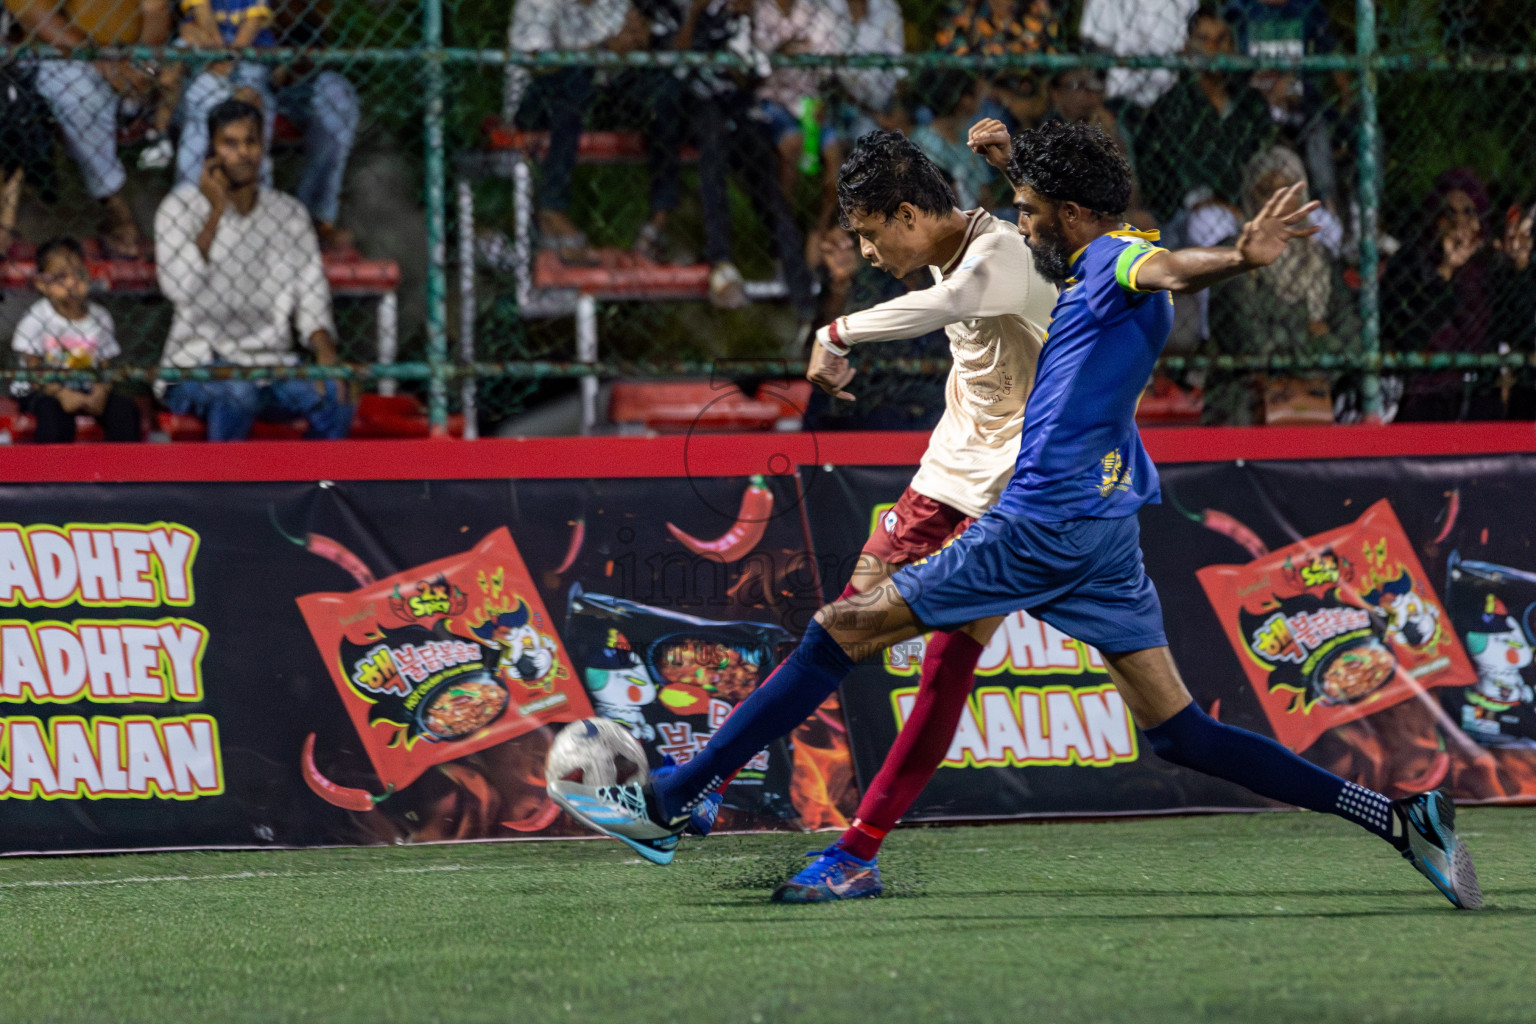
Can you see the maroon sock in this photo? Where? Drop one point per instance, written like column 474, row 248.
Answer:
column 949, row 666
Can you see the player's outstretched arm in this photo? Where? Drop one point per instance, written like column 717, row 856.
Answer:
column 1260, row 243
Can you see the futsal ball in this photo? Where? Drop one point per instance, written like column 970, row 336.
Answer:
column 594, row 752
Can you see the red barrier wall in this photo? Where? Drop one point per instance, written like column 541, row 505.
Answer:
column 699, row 455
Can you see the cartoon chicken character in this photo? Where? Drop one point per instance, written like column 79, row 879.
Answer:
column 1499, row 650
column 527, row 656
column 619, row 686
column 1493, row 711
column 1411, row 621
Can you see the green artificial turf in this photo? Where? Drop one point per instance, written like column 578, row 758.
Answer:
column 1264, row 917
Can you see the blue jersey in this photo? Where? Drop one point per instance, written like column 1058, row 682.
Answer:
column 1080, row 454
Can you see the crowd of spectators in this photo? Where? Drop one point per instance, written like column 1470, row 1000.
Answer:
column 239, row 262
column 1205, row 146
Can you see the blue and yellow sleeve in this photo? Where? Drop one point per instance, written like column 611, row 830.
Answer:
column 1130, row 262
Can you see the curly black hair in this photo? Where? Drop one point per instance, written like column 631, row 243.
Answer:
column 885, row 170
column 1075, row 162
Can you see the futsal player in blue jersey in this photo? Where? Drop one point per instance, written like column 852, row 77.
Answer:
column 1063, row 541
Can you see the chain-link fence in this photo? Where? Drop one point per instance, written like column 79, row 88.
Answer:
column 486, row 206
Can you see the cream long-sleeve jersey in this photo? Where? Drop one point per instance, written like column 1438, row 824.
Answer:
column 995, row 307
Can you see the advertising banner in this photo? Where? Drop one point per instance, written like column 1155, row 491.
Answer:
column 355, row 662
column 1376, row 615
column 291, row 664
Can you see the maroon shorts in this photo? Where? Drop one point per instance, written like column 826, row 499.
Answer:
column 916, row 527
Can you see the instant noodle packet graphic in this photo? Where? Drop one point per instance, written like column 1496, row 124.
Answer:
column 439, row 662
column 1337, row 626
column 672, row 678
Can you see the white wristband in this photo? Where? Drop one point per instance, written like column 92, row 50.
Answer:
column 829, row 340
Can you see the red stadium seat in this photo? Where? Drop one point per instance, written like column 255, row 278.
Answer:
column 377, row 416
column 182, row 428
column 678, row 406
column 792, row 395
column 591, row 148
column 623, row 275
column 137, row 277
column 1166, row 404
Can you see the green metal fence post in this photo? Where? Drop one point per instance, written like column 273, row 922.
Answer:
column 1370, row 202
column 437, row 256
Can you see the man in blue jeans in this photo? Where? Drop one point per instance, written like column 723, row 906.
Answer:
column 241, row 264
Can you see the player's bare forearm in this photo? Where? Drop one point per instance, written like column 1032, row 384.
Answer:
column 1259, row 244
column 1190, row 270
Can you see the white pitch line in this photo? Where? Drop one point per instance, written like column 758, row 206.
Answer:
column 235, row 875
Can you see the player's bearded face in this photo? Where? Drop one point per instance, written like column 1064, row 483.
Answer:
column 1047, row 244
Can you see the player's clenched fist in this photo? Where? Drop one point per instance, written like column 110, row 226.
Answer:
column 989, row 140
column 830, row 372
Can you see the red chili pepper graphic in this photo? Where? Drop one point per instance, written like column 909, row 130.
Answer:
column 830, row 722
column 344, row 797
column 547, row 813
column 741, row 538
column 335, row 551
column 578, row 535
column 1234, row 530
column 328, row 549
column 1433, row 775
column 1452, row 508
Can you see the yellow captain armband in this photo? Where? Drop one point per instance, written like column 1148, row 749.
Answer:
column 1130, row 261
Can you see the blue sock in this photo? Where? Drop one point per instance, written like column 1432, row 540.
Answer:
column 789, row 696
column 1196, row 740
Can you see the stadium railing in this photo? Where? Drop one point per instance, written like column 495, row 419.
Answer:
column 1404, row 101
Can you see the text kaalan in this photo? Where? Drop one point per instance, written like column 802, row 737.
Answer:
column 49, row 662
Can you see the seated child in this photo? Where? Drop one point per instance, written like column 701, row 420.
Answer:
column 63, row 331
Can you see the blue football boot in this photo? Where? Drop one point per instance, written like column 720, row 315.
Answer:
column 1431, row 845
column 835, row 874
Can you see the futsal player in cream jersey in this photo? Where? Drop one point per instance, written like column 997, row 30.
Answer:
column 995, row 307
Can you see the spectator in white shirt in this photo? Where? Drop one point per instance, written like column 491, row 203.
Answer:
column 241, row 264
column 65, row 331
column 1129, row 28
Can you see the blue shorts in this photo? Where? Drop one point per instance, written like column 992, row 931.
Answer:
column 1083, row 576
